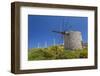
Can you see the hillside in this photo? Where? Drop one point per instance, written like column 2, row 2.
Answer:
column 56, row 52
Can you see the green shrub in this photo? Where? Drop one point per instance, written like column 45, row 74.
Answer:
column 56, row 52
column 84, row 53
column 36, row 54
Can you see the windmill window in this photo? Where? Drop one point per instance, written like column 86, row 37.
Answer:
column 67, row 34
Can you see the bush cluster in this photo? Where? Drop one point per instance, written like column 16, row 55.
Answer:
column 56, row 52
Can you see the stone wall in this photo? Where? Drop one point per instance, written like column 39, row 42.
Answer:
column 73, row 40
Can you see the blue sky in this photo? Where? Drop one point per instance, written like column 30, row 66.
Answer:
column 40, row 29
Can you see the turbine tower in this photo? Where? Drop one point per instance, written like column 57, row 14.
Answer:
column 54, row 42
column 46, row 44
column 38, row 45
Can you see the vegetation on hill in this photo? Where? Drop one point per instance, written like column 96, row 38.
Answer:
column 56, row 52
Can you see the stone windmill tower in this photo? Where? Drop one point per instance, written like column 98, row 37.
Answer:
column 72, row 39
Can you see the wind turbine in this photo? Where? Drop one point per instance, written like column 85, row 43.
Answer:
column 46, row 44
column 38, row 46
column 54, row 42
